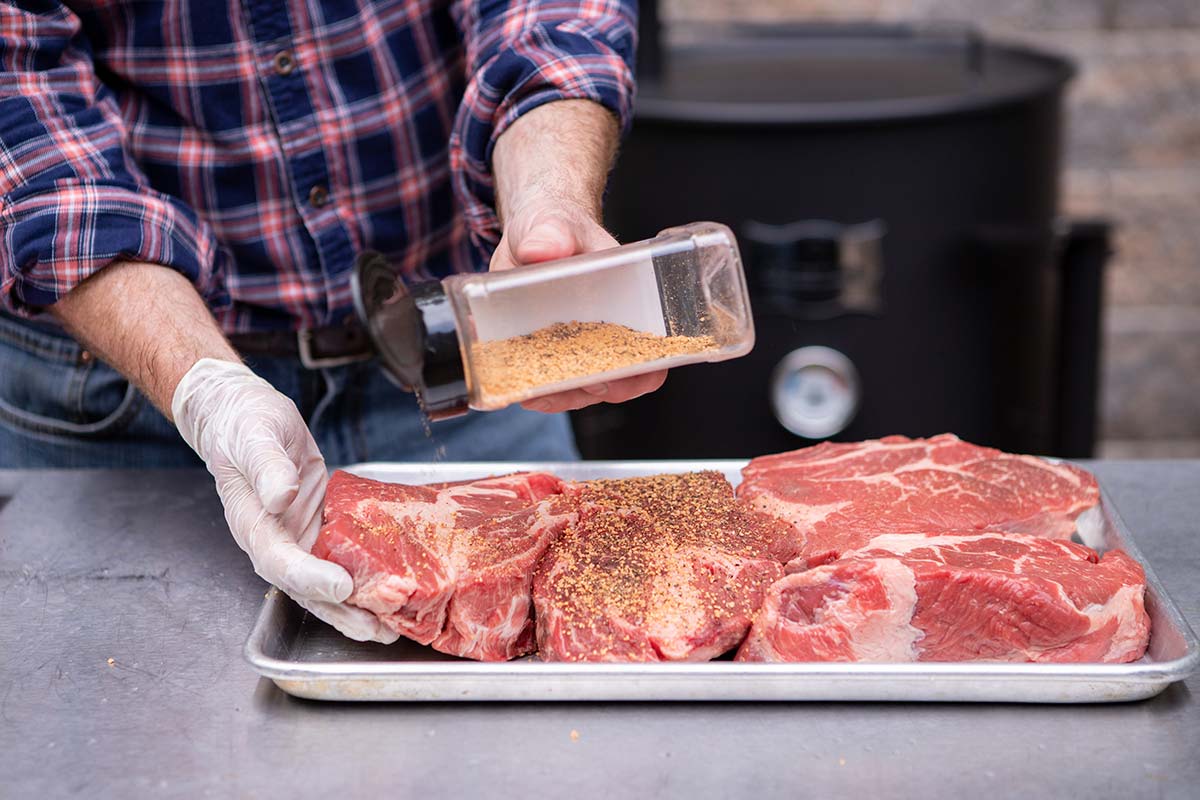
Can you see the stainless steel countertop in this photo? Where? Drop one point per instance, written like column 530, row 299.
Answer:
column 138, row 567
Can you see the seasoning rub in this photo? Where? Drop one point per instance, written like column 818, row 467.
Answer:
column 507, row 370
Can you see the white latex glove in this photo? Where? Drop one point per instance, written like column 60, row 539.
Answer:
column 271, row 479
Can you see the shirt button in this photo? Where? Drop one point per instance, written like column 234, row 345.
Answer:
column 318, row 196
column 285, row 62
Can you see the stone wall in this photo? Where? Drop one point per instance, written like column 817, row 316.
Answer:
column 1133, row 155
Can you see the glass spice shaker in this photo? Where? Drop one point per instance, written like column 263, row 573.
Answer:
column 486, row 340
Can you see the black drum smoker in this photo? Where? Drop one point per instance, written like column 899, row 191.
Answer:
column 894, row 191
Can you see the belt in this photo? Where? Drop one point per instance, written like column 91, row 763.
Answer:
column 317, row 348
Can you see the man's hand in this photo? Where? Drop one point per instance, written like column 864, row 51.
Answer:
column 550, row 167
column 148, row 322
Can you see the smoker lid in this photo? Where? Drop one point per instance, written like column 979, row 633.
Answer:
column 815, row 74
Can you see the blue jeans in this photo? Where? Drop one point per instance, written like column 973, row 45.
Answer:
column 61, row 408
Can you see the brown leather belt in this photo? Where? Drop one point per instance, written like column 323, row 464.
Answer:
column 317, row 348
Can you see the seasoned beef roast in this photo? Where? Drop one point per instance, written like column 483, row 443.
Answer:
column 663, row 568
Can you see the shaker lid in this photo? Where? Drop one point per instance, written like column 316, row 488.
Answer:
column 413, row 329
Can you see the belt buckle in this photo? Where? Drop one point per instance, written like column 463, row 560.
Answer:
column 309, row 361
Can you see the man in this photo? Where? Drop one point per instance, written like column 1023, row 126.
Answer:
column 186, row 183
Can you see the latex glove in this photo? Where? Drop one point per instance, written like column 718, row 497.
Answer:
column 543, row 229
column 271, row 479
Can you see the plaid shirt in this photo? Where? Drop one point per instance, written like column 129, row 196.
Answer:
column 257, row 145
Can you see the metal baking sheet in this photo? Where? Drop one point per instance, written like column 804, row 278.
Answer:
column 307, row 658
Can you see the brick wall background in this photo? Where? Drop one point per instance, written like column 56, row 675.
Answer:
column 1133, row 155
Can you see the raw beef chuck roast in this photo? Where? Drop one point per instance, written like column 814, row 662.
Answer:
column 883, row 551
column 837, row 496
column 957, row 596
column 447, row 564
column 664, row 568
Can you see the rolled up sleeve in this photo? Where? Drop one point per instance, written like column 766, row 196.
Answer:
column 71, row 199
column 520, row 56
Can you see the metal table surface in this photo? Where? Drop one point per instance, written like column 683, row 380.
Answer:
column 137, row 567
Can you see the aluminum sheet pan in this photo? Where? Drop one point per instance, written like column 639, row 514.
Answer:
column 307, row 658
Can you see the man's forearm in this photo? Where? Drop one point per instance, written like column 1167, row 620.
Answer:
column 562, row 150
column 146, row 321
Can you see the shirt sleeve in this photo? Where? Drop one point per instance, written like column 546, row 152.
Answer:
column 520, row 56
column 71, row 199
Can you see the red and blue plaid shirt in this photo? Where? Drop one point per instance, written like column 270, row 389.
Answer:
column 257, row 145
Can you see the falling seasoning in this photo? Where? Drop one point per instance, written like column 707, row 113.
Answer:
column 507, row 370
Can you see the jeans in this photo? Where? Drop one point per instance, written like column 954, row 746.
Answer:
column 59, row 407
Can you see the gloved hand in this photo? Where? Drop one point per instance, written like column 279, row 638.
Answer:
column 271, row 479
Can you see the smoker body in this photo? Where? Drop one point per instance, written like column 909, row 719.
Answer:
column 895, row 194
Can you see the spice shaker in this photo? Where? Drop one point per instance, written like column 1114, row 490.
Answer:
column 486, row 340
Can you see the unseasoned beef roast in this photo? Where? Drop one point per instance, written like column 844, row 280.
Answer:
column 837, row 496
column 662, row 568
column 956, row 596
column 449, row 565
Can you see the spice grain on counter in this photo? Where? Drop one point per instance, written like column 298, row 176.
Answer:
column 507, row 369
